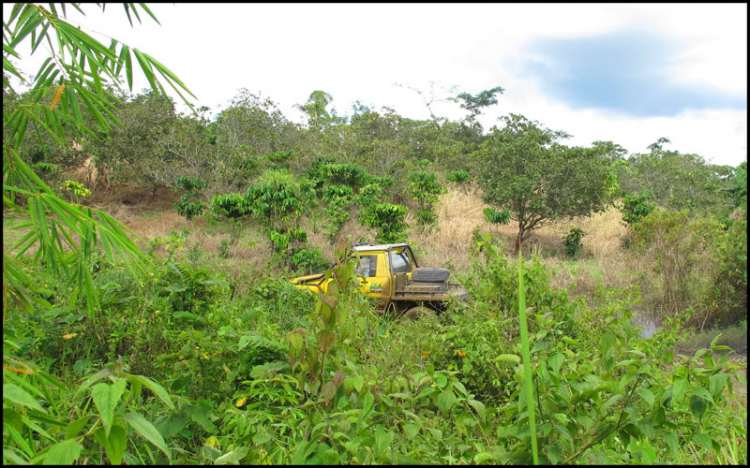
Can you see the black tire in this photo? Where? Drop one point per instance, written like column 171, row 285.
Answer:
column 420, row 312
column 430, row 275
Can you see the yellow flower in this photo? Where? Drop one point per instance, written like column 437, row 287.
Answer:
column 460, row 353
column 241, row 402
column 69, row 336
column 425, row 354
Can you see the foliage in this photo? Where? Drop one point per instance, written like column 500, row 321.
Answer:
column 524, row 169
column 311, row 260
column 491, row 215
column 279, row 159
column 190, row 205
column 331, row 192
column 459, row 177
column 677, row 181
column 275, row 202
column 230, row 206
column 573, row 243
column 474, row 104
column 389, row 220
column 690, row 257
column 343, row 174
column 636, row 206
column 77, row 190
column 425, row 190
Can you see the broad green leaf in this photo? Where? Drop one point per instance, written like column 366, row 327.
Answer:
column 648, row 453
column 367, row 403
column 154, row 387
column 75, row 427
column 678, row 391
column 114, row 445
column 647, row 395
column 508, row 358
column 482, row 457
column 716, row 383
column 698, row 407
column 554, row 454
column 445, row 400
column 411, row 430
column 478, row 407
column 232, row 457
column 672, row 441
column 106, row 397
column 19, row 396
column 704, row 440
column 441, row 380
column 63, row 453
column 148, row 432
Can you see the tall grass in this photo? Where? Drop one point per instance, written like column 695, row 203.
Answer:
column 530, row 406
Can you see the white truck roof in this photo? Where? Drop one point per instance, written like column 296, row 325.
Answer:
column 368, row 248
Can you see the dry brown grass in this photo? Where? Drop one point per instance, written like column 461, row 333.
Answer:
column 459, row 213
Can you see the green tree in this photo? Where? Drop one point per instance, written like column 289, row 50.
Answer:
column 475, row 103
column 676, row 181
column 525, row 170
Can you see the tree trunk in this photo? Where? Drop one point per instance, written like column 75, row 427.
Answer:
column 521, row 232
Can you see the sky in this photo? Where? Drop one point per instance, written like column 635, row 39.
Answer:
column 628, row 73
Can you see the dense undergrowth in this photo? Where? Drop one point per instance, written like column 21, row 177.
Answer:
column 176, row 367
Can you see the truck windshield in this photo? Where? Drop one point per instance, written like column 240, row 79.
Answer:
column 401, row 263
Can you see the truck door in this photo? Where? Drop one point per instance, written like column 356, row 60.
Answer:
column 375, row 281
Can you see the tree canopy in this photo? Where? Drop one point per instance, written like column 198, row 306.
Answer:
column 526, row 171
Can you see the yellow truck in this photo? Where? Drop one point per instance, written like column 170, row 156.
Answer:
column 391, row 276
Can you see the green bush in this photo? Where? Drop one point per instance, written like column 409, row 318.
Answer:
column 190, row 205
column 343, row 174
column 230, row 205
column 459, row 177
column 636, row 207
column 491, row 215
column 389, row 220
column 331, row 192
column 311, row 260
column 573, row 242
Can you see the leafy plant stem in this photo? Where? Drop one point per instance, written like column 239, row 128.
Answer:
column 606, row 434
column 526, row 358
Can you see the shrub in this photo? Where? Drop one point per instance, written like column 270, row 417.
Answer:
column 679, row 251
column 491, row 215
column 190, row 205
column 636, row 207
column 425, row 190
column 389, row 220
column 331, row 192
column 279, row 159
column 343, row 174
column 311, row 260
column 230, row 205
column 459, row 177
column 573, row 242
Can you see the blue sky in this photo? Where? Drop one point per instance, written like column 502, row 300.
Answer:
column 626, row 71
column 629, row 73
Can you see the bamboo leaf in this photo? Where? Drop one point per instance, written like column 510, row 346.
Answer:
column 148, row 432
column 57, row 97
column 19, row 396
column 145, row 8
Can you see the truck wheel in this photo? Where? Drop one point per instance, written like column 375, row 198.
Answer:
column 430, row 275
column 419, row 312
